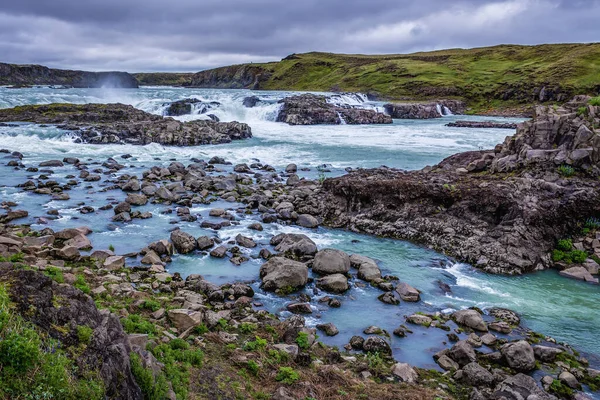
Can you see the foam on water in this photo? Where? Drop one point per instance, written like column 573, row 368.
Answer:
column 548, row 303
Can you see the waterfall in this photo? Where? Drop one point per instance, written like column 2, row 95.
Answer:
column 439, row 109
column 447, row 111
column 342, row 121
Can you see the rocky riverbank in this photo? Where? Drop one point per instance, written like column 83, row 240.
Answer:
column 177, row 337
column 502, row 210
column 120, row 123
column 310, row 109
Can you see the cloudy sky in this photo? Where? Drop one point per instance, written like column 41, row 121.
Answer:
column 191, row 35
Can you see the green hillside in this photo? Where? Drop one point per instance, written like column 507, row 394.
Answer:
column 483, row 76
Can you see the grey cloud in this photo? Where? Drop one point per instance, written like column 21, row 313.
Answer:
column 189, row 35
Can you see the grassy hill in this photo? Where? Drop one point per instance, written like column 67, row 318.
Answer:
column 485, row 77
column 163, row 78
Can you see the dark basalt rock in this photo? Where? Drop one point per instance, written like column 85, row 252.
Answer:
column 310, row 109
column 119, row 123
column 429, row 110
column 27, row 75
column 183, row 107
column 34, row 295
column 482, row 124
column 491, row 219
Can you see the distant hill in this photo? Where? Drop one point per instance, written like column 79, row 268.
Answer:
column 164, row 78
column 485, row 77
column 26, row 75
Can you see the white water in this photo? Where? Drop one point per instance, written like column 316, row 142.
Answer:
column 556, row 306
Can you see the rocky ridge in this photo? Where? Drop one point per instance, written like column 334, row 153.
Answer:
column 26, row 75
column 119, row 123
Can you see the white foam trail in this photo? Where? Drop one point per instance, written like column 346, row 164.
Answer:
column 447, row 111
column 342, row 121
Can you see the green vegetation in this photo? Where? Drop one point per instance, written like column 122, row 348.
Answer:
column 81, row 284
column 595, row 101
column 302, row 340
column 566, row 170
column 484, row 76
column 151, row 305
column 84, row 334
column 163, row 79
column 152, row 388
column 137, row 324
column 287, row 375
column 15, row 258
column 34, row 366
column 178, row 359
column 560, row 389
column 565, row 252
column 55, row 273
column 257, row 344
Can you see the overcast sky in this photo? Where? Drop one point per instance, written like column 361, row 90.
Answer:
column 191, row 35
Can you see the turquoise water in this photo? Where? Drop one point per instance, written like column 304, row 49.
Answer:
column 562, row 308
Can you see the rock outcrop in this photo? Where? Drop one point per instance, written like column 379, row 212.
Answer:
column 482, row 124
column 183, row 107
column 436, row 109
column 59, row 310
column 119, row 123
column 564, row 135
column 506, row 220
column 311, row 109
column 26, row 75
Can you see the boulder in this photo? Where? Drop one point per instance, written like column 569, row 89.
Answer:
column 546, row 354
column 447, row 363
column 136, row 199
column 376, row 344
column 299, row 308
column 245, row 241
column 79, row 242
column 283, row 274
column 405, row 373
column 329, row 328
column 294, row 244
column 204, row 242
column 580, row 273
column 519, row 355
column 184, row 242
column 367, row 267
column 408, row 293
column 463, row 353
column 114, row 263
column 307, row 221
column 184, row 319
column 471, row 319
column 335, row 283
column 519, row 387
column 474, row 374
column 331, row 261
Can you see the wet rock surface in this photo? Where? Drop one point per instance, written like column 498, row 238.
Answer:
column 310, row 109
column 119, row 123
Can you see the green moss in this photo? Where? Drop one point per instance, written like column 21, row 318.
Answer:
column 151, row 305
column 257, row 344
column 595, row 101
column 561, row 390
column 566, row 170
column 81, row 284
column 55, row 273
column 84, row 334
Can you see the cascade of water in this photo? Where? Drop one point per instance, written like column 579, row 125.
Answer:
column 342, row 121
column 439, row 109
column 447, row 111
